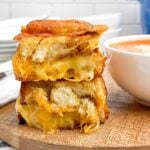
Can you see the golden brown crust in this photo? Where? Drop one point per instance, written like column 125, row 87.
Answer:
column 59, row 28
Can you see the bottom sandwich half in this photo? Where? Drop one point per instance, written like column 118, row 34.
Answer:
column 51, row 106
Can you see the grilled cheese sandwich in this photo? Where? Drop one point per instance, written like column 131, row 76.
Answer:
column 60, row 67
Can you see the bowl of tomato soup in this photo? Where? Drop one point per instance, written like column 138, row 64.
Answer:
column 128, row 60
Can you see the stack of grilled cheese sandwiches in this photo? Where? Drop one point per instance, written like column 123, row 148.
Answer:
column 60, row 68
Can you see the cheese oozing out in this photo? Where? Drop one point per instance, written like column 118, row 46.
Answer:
column 75, row 68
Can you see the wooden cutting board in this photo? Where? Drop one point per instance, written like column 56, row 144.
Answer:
column 128, row 127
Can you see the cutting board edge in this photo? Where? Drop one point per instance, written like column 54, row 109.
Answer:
column 21, row 142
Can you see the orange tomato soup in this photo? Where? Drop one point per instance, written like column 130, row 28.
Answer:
column 137, row 46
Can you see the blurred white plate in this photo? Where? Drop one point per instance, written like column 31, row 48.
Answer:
column 112, row 20
column 8, row 50
column 6, row 54
column 8, row 45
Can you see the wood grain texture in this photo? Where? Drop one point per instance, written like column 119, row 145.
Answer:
column 128, row 127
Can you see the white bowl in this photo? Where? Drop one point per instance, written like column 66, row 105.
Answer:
column 112, row 20
column 130, row 70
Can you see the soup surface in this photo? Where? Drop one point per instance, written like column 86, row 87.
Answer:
column 138, row 46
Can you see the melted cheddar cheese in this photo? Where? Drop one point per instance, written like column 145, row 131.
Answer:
column 76, row 68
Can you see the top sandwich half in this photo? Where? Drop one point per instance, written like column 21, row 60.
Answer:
column 59, row 49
